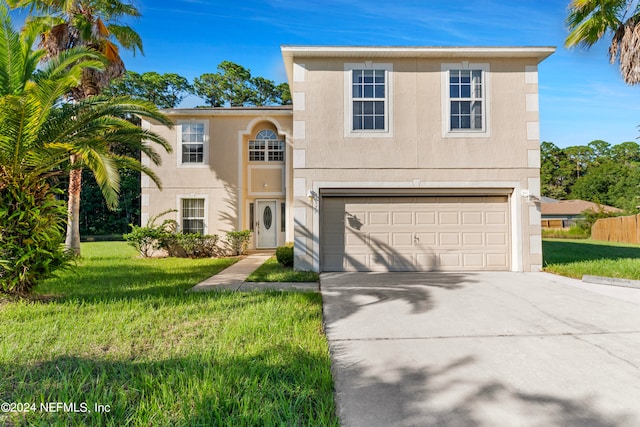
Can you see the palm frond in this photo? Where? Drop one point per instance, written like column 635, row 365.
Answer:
column 127, row 37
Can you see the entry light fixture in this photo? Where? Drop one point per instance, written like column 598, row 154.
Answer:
column 530, row 197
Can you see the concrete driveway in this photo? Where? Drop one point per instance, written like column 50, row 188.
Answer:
column 482, row 349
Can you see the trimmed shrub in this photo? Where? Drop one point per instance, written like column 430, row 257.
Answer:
column 32, row 226
column 190, row 245
column 238, row 241
column 284, row 255
column 150, row 238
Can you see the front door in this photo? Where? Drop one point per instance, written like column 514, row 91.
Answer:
column 266, row 224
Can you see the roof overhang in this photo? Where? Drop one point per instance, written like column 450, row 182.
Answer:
column 292, row 53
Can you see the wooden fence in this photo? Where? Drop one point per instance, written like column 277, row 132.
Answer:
column 624, row 229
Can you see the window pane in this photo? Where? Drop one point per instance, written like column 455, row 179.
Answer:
column 357, row 91
column 368, row 76
column 356, row 76
column 465, row 122
column 379, row 93
column 379, row 122
column 357, row 122
column 455, row 107
column 454, row 122
column 368, row 107
column 454, row 91
column 465, row 107
column 368, row 91
column 379, row 107
column 368, row 122
column 465, row 92
column 357, row 107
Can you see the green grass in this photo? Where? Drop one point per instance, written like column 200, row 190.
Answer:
column 122, row 332
column 575, row 258
column 272, row 271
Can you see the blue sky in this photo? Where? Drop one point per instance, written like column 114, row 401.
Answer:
column 582, row 96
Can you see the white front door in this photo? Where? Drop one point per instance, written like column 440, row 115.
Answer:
column 266, row 224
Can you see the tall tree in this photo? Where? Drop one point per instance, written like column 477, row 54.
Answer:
column 38, row 133
column 95, row 24
column 590, row 20
column 233, row 85
column 164, row 90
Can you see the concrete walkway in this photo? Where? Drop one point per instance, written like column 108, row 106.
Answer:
column 233, row 278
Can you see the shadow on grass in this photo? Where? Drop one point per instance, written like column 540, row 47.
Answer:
column 106, row 281
column 563, row 252
column 272, row 387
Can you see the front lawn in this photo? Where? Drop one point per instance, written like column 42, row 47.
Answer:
column 121, row 332
column 272, row 271
column 575, row 258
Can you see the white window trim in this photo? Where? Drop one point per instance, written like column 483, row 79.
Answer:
column 266, row 149
column 446, row 105
column 179, row 218
column 348, row 104
column 205, row 154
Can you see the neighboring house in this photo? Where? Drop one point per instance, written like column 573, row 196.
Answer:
column 565, row 213
column 391, row 159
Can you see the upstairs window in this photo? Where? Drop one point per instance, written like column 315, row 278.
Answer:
column 193, row 140
column 266, row 147
column 368, row 95
column 466, row 96
column 369, row 98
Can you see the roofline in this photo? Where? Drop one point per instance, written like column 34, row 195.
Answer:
column 289, row 52
column 421, row 51
column 282, row 110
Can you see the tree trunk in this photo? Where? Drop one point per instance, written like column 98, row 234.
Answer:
column 72, row 240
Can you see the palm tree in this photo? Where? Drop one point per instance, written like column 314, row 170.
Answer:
column 38, row 131
column 95, row 24
column 590, row 20
column 65, row 24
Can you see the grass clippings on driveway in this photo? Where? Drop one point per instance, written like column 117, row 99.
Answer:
column 122, row 333
column 575, row 258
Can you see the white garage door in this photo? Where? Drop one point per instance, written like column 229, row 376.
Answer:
column 415, row 233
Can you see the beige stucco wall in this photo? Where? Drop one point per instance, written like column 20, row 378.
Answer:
column 415, row 154
column 225, row 181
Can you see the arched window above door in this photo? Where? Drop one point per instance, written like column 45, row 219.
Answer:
column 266, row 147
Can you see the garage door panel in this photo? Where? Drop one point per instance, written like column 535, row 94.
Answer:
column 450, row 261
column 448, row 218
column 379, row 218
column 380, row 239
column 498, row 260
column 449, row 239
column 472, row 218
column 402, row 218
column 496, row 239
column 357, row 239
column 425, row 218
column 402, row 262
column 472, row 239
column 415, row 233
column 473, row 260
column 402, row 239
column 496, row 218
column 426, row 238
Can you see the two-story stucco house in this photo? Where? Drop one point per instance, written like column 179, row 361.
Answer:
column 391, row 158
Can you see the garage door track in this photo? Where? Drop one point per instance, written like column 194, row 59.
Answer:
column 482, row 349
